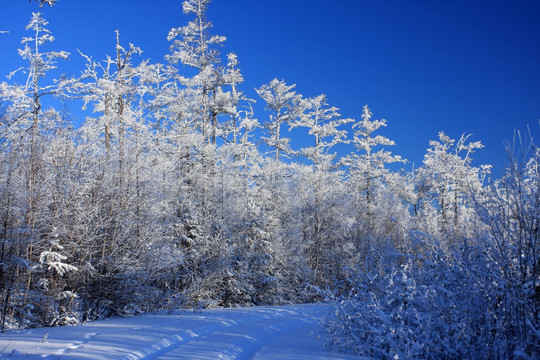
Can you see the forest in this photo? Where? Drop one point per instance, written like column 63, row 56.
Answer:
column 173, row 193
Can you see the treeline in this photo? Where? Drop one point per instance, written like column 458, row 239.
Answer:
column 172, row 194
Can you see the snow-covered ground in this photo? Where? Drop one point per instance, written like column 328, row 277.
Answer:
column 285, row 332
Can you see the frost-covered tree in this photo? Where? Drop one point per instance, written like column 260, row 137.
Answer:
column 25, row 132
column 233, row 103
column 192, row 45
column 109, row 86
column 25, row 100
column 322, row 195
column 371, row 185
column 368, row 168
column 285, row 106
column 134, row 185
column 448, row 182
column 278, row 186
column 323, row 122
column 208, row 98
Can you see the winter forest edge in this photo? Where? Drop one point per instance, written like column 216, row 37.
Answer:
column 172, row 194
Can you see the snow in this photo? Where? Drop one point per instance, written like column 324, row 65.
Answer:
column 284, row 332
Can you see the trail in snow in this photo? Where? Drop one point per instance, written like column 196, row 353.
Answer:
column 284, row 332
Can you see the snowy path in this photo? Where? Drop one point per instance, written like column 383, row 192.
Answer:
column 286, row 332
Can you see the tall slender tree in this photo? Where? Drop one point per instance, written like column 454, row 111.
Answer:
column 321, row 199
column 25, row 134
column 285, row 107
column 369, row 180
column 192, row 45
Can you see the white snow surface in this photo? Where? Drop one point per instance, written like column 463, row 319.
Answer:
column 283, row 332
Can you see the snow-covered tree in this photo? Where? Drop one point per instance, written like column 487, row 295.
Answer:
column 322, row 122
column 234, row 103
column 192, row 45
column 371, row 185
column 25, row 132
column 25, row 100
column 285, row 106
column 449, row 182
column 368, row 168
column 321, row 193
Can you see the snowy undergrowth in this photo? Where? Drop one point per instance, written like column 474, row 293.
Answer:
column 439, row 308
column 452, row 296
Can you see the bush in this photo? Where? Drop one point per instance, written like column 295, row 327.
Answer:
column 439, row 308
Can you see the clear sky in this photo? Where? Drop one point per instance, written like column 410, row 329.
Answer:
column 462, row 66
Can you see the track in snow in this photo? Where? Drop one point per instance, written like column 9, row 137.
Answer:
column 284, row 332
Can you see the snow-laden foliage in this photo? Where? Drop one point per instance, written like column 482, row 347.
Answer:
column 284, row 104
column 479, row 299
column 45, row 2
column 174, row 192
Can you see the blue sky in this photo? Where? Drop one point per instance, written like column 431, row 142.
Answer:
column 426, row 66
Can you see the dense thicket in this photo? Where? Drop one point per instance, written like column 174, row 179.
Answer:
column 172, row 193
column 474, row 297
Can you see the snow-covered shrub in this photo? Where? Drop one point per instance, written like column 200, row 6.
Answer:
column 374, row 323
column 437, row 307
column 511, row 209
